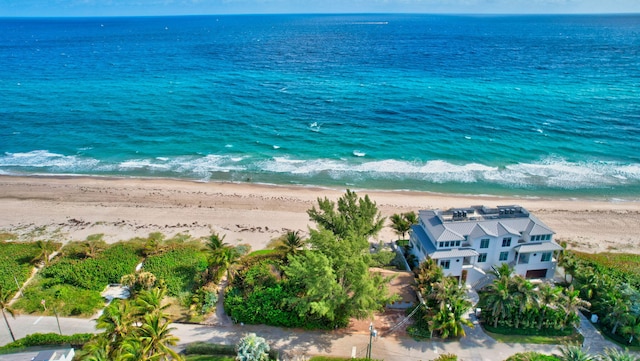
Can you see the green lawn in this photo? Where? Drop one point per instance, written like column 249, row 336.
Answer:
column 575, row 338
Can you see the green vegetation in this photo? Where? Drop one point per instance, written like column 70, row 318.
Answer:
column 136, row 329
column 510, row 335
column 611, row 282
column 321, row 283
column 16, row 261
column 180, row 268
column 76, row 276
column 209, row 358
column 446, row 304
column 46, row 339
column 252, row 348
column 531, row 356
column 401, row 223
column 513, row 306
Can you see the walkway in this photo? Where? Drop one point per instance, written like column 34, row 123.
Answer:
column 593, row 342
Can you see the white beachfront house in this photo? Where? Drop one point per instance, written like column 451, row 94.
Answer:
column 467, row 242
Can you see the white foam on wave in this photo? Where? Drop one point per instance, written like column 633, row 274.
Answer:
column 551, row 172
column 358, row 153
column 46, row 159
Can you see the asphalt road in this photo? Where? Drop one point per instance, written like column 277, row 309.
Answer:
column 295, row 343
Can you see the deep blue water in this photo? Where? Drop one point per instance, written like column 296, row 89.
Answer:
column 517, row 105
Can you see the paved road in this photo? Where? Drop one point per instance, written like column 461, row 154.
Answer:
column 476, row 346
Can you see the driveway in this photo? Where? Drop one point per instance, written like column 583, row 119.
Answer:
column 476, row 346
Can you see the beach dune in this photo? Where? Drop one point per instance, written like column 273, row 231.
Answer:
column 72, row 208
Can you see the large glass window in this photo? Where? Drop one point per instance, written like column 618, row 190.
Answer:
column 484, row 243
column 445, row 264
column 546, row 257
column 482, row 257
column 504, row 256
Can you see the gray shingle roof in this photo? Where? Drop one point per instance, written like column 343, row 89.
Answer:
column 538, row 247
column 454, row 253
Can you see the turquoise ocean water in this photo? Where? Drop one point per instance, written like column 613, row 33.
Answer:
column 505, row 105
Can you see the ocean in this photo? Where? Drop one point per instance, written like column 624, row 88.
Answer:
column 530, row 106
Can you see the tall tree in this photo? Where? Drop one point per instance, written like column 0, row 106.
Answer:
column 402, row 223
column 5, row 298
column 547, row 297
column 572, row 304
column 499, row 301
column 353, row 216
column 155, row 338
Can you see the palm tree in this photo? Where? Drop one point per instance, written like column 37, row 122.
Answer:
column 572, row 303
column 411, row 217
column 574, row 353
column 5, row 298
column 400, row 225
column 117, row 322
column 499, row 301
column 547, row 297
column 45, row 249
column 504, row 271
column 523, row 296
column 215, row 242
column 290, row 243
column 631, row 327
column 427, row 274
column 150, row 302
column 155, row 338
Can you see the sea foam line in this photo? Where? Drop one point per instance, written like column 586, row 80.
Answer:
column 550, row 172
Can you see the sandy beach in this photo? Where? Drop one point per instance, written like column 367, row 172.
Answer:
column 72, row 208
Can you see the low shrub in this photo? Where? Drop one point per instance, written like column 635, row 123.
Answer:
column 15, row 261
column 531, row 356
column 180, row 268
column 67, row 300
column 48, row 339
column 205, row 348
column 382, row 258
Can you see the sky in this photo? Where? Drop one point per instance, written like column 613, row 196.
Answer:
column 219, row 7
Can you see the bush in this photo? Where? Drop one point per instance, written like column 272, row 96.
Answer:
column 205, row 348
column 531, row 356
column 180, row 268
column 66, row 299
column 95, row 273
column 15, row 260
column 382, row 258
column 48, row 339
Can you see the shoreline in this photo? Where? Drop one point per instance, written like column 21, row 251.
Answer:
column 73, row 207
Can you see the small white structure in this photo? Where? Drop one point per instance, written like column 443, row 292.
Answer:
column 55, row 355
column 468, row 242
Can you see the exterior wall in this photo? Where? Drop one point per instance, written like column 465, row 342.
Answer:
column 493, row 251
column 416, row 248
column 455, row 266
column 536, row 263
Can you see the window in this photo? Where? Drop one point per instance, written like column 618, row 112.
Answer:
column 482, row 257
column 506, row 242
column 446, row 244
column 504, row 256
column 548, row 238
column 445, row 264
column 546, row 257
column 484, row 243
column 457, row 243
column 441, row 245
